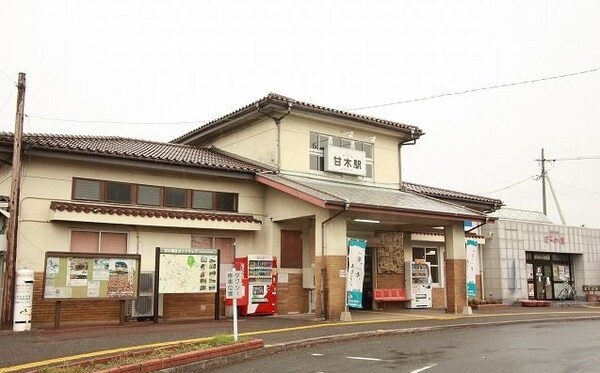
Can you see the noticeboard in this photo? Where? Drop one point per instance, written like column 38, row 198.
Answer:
column 91, row 276
column 187, row 271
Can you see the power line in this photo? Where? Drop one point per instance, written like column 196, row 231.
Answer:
column 7, row 99
column 575, row 187
column 480, row 89
column 576, row 158
column 8, row 77
column 110, row 122
column 510, row 186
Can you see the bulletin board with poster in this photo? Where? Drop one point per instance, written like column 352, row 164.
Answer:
column 91, row 276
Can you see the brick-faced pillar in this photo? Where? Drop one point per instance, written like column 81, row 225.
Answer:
column 329, row 285
column 456, row 268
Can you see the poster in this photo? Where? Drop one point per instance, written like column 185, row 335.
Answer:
column 471, row 268
column 70, row 275
column 356, row 272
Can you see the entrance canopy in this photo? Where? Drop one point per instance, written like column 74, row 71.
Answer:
column 368, row 198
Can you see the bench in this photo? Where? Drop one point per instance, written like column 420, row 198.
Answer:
column 390, row 295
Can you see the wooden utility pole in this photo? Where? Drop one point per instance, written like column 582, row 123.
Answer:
column 15, row 191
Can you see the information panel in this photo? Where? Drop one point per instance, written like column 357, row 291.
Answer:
column 91, row 276
column 187, row 270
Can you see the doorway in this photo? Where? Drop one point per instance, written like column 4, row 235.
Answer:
column 543, row 288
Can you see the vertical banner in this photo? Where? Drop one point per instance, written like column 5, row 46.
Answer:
column 356, row 272
column 471, row 268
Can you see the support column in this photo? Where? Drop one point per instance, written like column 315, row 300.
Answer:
column 456, row 268
column 330, row 261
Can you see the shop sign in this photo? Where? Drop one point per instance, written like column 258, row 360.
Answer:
column 345, row 161
column 555, row 237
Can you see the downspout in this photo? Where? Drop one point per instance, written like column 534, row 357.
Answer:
column 323, row 269
column 277, row 121
column 411, row 141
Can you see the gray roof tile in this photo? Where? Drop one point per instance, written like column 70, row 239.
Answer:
column 122, row 147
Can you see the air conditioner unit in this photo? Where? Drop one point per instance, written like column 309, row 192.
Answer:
column 144, row 305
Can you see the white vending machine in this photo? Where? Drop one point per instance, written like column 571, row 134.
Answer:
column 418, row 284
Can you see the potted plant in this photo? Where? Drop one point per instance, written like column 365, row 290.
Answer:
column 590, row 293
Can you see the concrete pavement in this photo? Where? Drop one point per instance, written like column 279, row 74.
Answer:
column 44, row 346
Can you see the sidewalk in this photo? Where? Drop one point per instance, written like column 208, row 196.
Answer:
column 26, row 351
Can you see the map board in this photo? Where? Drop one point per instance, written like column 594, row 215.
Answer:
column 187, row 270
column 91, row 276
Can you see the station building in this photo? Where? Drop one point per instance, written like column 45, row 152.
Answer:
column 276, row 177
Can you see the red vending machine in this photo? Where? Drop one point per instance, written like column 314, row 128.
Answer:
column 260, row 280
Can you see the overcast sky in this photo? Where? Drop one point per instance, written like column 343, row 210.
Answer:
column 161, row 68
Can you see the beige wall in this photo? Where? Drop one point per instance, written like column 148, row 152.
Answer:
column 257, row 142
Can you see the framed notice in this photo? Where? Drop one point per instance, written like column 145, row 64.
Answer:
column 90, row 276
column 187, row 271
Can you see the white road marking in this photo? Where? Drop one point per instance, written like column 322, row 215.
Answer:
column 366, row 358
column 316, row 354
column 424, row 368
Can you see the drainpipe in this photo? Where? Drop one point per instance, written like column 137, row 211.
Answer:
column 411, row 141
column 277, row 121
column 323, row 269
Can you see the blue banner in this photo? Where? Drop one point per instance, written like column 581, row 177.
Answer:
column 356, row 272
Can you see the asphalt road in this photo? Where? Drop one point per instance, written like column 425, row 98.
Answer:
column 540, row 347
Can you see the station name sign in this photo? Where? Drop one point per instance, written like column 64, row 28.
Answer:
column 345, row 161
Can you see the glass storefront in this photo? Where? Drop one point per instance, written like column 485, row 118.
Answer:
column 548, row 274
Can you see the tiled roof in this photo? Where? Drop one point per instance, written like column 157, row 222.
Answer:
column 371, row 197
column 121, row 147
column 445, row 193
column 285, row 102
column 150, row 213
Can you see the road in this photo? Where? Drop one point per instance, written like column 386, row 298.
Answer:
column 544, row 347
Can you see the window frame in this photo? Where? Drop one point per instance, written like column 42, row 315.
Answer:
column 217, row 198
column 99, row 233
column 433, row 267
column 108, row 183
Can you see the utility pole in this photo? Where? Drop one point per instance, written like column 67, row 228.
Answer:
column 543, row 177
column 15, row 191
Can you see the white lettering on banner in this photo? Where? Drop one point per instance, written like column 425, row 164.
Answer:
column 345, row 161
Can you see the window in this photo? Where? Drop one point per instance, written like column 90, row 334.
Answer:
column 175, row 197
column 291, row 249
column 318, row 142
column 86, row 189
column 431, row 255
column 148, row 195
column 226, row 202
column 202, row 200
column 118, row 192
column 98, row 242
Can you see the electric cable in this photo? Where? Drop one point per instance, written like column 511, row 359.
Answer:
column 510, row 186
column 111, row 122
column 479, row 89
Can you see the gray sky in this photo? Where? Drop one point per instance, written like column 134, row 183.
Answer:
column 170, row 62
